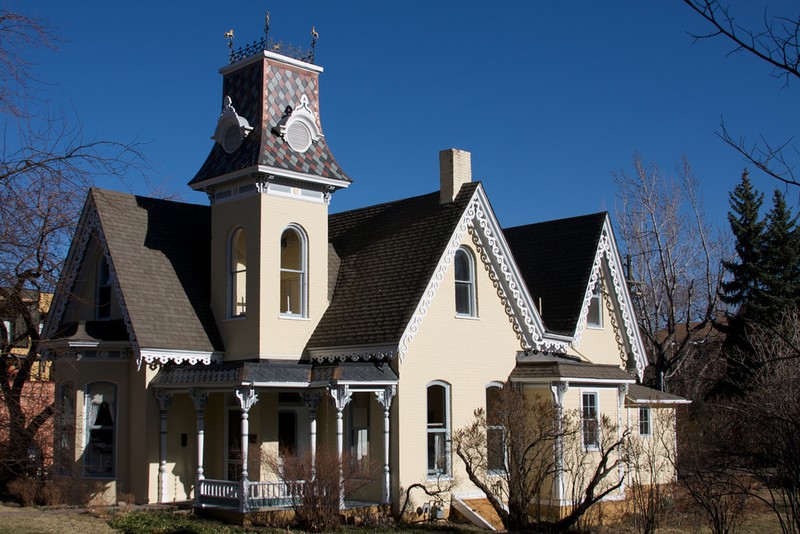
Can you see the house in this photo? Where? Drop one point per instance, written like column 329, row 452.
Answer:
column 192, row 344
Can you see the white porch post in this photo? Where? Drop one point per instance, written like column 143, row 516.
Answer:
column 200, row 399
column 247, row 398
column 163, row 398
column 385, row 398
column 558, row 389
column 312, row 400
column 341, row 397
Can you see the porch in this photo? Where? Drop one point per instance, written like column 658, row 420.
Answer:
column 293, row 393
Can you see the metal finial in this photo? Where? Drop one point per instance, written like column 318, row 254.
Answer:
column 266, row 26
column 314, row 37
column 229, row 37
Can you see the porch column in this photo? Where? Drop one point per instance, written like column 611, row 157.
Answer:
column 163, row 398
column 558, row 389
column 312, row 400
column 200, row 399
column 247, row 398
column 341, row 397
column 385, row 398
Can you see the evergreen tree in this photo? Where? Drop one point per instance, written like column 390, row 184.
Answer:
column 745, row 285
column 780, row 260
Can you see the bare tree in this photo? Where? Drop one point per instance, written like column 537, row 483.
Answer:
column 777, row 43
column 46, row 167
column 526, row 450
column 674, row 263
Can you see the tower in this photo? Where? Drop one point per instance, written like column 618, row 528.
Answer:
column 269, row 178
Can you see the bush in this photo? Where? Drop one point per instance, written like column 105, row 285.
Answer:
column 168, row 523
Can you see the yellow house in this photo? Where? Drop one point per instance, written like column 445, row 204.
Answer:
column 193, row 344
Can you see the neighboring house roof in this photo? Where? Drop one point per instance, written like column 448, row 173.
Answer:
column 555, row 259
column 643, row 395
column 387, row 254
column 160, row 252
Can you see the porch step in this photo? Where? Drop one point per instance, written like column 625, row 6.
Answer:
column 480, row 512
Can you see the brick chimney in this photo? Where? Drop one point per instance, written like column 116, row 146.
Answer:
column 455, row 170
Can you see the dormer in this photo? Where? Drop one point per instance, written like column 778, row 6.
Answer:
column 269, row 177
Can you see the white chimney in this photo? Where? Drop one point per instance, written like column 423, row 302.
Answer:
column 455, row 170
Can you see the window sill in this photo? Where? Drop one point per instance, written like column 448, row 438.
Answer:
column 435, row 478
column 595, row 326
column 468, row 317
column 293, row 317
column 237, row 318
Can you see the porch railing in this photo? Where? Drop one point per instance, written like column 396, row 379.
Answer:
column 228, row 494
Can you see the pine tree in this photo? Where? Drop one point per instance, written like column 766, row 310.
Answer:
column 744, row 287
column 780, row 260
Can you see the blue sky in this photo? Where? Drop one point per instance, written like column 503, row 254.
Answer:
column 550, row 98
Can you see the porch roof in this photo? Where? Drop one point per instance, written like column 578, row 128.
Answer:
column 645, row 396
column 273, row 374
column 544, row 369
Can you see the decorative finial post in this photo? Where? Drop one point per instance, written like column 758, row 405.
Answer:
column 229, row 37
column 266, row 28
column 314, row 37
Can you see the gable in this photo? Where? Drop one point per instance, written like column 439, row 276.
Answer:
column 158, row 254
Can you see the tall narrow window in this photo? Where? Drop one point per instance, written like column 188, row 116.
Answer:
column 589, row 421
column 465, row 283
column 438, row 429
column 358, row 417
column 238, row 273
column 65, row 428
column 293, row 273
column 495, row 431
column 100, row 412
column 103, row 289
column 595, row 316
column 644, row 422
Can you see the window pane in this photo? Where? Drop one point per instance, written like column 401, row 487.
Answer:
column 463, row 298
column 436, row 406
column 291, row 251
column 462, row 266
column 238, row 277
column 291, row 291
column 594, row 315
column 437, row 452
column 492, row 405
column 495, row 449
column 644, row 421
column 589, row 419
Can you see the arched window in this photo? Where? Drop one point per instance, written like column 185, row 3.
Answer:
column 237, row 264
column 101, row 415
column 65, row 428
column 594, row 317
column 438, row 404
column 495, row 431
column 465, row 283
column 104, row 281
column 293, row 272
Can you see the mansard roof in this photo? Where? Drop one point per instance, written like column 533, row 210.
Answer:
column 555, row 259
column 387, row 254
column 260, row 90
column 160, row 251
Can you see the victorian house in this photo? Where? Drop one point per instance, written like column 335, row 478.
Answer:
column 194, row 343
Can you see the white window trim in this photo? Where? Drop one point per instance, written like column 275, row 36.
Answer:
column 87, row 398
column 471, row 284
column 649, row 412
column 448, row 473
column 99, row 286
column 597, row 294
column 494, row 472
column 303, row 273
column 596, row 393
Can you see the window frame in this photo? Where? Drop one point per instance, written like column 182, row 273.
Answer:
column 595, row 300
column 469, row 283
column 594, row 445
column 88, row 466
column 303, row 273
column 494, row 470
column 645, row 423
column 445, row 430
column 104, row 289
column 234, row 273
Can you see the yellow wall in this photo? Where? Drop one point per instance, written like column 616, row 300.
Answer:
column 466, row 353
column 599, row 345
column 652, row 456
column 263, row 333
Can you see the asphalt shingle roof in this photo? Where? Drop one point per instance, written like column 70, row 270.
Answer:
column 161, row 254
column 639, row 394
column 387, row 254
column 562, row 368
column 555, row 260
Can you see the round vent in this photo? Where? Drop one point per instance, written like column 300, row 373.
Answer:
column 232, row 139
column 298, row 136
